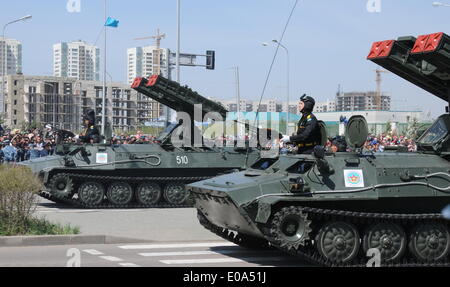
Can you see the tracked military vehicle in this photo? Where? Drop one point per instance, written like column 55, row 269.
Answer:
column 336, row 209
column 141, row 175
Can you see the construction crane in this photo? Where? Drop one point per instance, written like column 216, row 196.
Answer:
column 378, row 94
column 157, row 55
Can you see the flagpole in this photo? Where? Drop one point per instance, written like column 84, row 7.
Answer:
column 104, row 80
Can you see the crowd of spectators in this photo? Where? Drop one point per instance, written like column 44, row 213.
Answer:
column 379, row 143
column 16, row 145
column 374, row 143
column 138, row 138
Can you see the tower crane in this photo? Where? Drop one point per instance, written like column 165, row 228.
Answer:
column 157, row 55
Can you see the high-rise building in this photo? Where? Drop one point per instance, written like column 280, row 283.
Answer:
column 76, row 60
column 13, row 56
column 146, row 61
column 11, row 64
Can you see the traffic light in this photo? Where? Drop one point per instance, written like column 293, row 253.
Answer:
column 210, row 60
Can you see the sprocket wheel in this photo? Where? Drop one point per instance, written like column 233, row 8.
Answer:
column 430, row 242
column 176, row 193
column 388, row 238
column 148, row 193
column 338, row 242
column 290, row 227
column 120, row 193
column 61, row 186
column 91, row 193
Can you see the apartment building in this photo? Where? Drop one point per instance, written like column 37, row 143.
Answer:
column 77, row 60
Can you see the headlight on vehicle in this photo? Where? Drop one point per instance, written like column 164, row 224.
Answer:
column 297, row 184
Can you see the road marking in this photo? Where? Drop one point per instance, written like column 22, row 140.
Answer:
column 177, row 245
column 223, row 260
column 93, row 252
column 129, row 265
column 203, row 252
column 111, row 258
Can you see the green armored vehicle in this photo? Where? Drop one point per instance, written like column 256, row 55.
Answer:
column 349, row 208
column 142, row 175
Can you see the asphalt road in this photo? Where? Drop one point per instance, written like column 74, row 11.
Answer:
column 161, row 254
column 151, row 224
column 165, row 237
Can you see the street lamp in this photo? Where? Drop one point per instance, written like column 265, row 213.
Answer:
column 437, row 4
column 287, row 80
column 5, row 56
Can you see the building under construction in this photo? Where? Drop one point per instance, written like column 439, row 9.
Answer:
column 62, row 101
column 362, row 101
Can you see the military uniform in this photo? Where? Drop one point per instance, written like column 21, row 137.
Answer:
column 308, row 129
column 91, row 133
column 308, row 134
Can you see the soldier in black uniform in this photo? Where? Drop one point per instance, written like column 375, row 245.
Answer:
column 91, row 134
column 308, row 132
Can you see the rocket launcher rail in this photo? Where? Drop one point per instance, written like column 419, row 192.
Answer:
column 423, row 61
column 177, row 97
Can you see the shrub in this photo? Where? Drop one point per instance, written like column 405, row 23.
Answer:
column 18, row 200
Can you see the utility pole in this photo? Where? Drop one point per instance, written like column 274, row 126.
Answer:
column 178, row 40
column 104, row 82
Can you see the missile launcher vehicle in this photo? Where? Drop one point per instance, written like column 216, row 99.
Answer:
column 349, row 208
column 105, row 175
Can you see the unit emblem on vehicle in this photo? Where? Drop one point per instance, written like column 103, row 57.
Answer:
column 101, row 158
column 354, row 178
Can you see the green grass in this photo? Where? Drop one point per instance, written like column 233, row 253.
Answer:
column 36, row 226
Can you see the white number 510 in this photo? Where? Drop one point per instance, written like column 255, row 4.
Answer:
column 182, row 159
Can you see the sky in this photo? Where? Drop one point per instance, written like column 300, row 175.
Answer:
column 328, row 41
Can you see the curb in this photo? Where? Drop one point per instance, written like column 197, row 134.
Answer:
column 44, row 240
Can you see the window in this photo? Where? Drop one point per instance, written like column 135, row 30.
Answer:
column 15, row 102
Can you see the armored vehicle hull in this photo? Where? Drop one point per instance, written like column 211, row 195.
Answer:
column 261, row 207
column 144, row 175
column 349, row 208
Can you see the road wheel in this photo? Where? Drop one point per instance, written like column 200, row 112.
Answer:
column 120, row 193
column 148, row 193
column 338, row 242
column 91, row 193
column 388, row 238
column 430, row 242
column 176, row 193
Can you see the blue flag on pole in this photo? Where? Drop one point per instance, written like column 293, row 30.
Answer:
column 111, row 22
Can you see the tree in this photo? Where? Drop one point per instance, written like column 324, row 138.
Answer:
column 29, row 125
column 388, row 128
column 413, row 127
